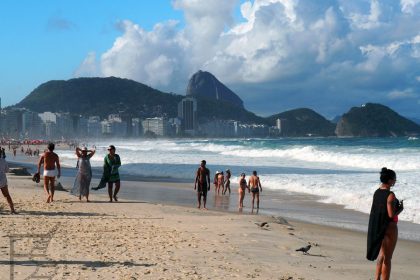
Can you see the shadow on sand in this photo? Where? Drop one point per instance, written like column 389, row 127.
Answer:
column 107, row 202
column 96, row 264
column 67, row 214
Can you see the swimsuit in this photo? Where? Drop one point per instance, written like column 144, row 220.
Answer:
column 242, row 185
column 255, row 190
column 50, row 173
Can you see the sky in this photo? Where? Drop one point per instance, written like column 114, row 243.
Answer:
column 277, row 55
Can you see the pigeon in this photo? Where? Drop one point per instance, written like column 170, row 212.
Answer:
column 261, row 224
column 304, row 249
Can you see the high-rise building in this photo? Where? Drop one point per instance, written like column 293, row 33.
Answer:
column 13, row 123
column 94, row 128
column 32, row 125
column 155, row 126
column 187, row 112
column 136, row 127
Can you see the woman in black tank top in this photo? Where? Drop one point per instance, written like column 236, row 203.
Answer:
column 383, row 232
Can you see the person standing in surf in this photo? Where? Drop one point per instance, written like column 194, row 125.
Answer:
column 84, row 173
column 221, row 182
column 202, row 181
column 216, row 185
column 254, row 185
column 227, row 181
column 241, row 190
column 383, row 231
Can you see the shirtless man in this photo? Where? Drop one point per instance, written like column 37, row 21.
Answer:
column 50, row 160
column 254, row 185
column 202, row 179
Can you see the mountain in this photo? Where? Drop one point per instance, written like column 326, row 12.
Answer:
column 416, row 120
column 98, row 96
column 375, row 120
column 104, row 96
column 303, row 122
column 336, row 119
column 204, row 84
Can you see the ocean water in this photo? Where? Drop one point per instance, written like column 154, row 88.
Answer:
column 343, row 171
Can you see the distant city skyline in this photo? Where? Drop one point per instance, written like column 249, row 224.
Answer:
column 275, row 54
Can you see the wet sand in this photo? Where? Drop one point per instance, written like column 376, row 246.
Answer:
column 142, row 239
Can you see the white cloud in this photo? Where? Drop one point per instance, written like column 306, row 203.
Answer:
column 407, row 6
column 150, row 57
column 331, row 53
column 402, row 94
column 88, row 67
column 367, row 21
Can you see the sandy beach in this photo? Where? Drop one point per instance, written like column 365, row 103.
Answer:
column 69, row 239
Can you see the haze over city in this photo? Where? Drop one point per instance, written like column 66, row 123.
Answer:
column 275, row 54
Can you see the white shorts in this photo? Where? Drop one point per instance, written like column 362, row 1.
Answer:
column 50, row 173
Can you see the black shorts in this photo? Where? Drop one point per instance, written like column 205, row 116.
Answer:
column 255, row 190
column 202, row 188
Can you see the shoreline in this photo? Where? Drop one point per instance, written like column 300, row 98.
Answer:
column 295, row 206
column 145, row 240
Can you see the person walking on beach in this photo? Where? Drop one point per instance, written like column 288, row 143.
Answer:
column 220, row 182
column 241, row 190
column 50, row 160
column 4, row 168
column 84, row 173
column 112, row 162
column 254, row 185
column 202, row 181
column 383, row 231
column 227, row 181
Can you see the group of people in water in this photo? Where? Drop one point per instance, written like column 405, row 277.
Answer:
column 222, row 182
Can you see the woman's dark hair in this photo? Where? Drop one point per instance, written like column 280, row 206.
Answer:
column 387, row 174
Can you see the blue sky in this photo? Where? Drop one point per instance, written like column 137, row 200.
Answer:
column 328, row 55
column 45, row 40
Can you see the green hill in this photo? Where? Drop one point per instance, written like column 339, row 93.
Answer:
column 375, row 120
column 98, row 96
column 104, row 96
column 303, row 122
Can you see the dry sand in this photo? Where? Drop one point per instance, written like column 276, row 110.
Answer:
column 69, row 239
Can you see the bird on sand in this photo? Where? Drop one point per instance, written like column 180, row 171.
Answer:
column 304, row 249
column 261, row 224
